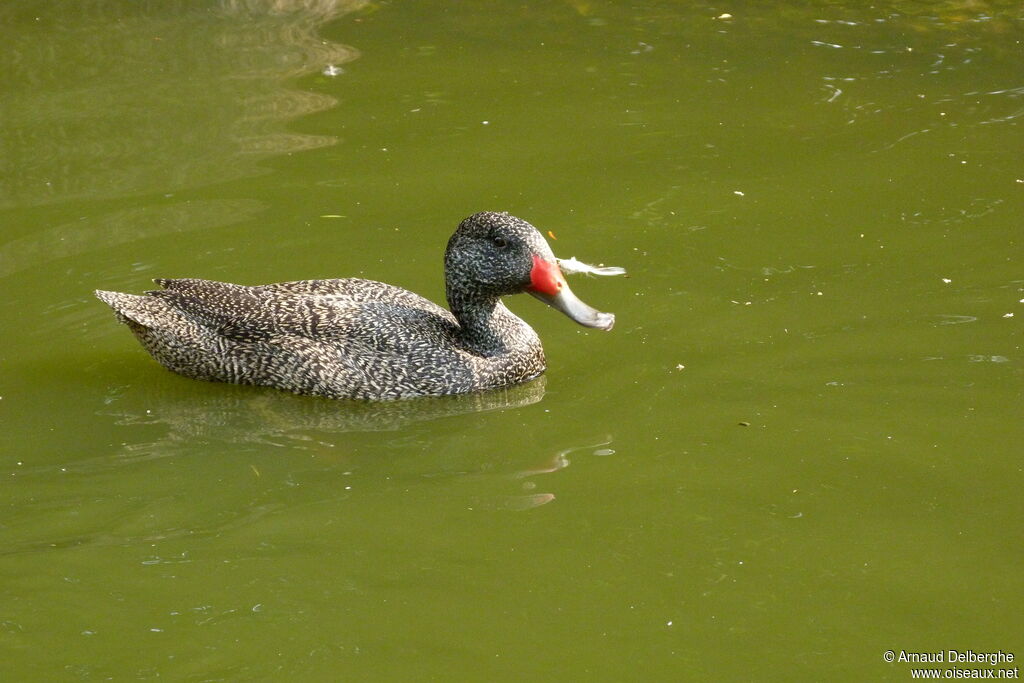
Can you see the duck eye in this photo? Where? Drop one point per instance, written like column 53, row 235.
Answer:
column 499, row 242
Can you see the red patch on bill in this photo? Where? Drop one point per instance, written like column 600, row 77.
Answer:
column 545, row 277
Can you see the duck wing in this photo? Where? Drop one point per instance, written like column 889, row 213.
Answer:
column 354, row 288
column 320, row 310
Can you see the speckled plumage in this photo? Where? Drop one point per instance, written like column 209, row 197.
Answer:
column 355, row 338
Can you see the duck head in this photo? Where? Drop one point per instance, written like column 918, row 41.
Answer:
column 494, row 254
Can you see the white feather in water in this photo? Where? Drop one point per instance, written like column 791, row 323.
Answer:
column 572, row 266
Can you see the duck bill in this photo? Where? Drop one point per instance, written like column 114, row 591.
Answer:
column 548, row 284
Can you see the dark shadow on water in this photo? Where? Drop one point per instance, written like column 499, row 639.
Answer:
column 94, row 233
column 127, row 102
column 117, row 99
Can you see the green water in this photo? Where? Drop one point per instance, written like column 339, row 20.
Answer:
column 799, row 448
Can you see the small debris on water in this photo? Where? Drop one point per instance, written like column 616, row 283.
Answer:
column 724, row 16
column 946, row 280
column 332, row 70
column 980, row 358
column 744, row 423
column 552, row 235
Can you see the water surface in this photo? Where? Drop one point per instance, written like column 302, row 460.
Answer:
column 797, row 449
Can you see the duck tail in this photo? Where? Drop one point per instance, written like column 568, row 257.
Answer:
column 136, row 310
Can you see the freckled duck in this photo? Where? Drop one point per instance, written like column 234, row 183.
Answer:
column 355, row 338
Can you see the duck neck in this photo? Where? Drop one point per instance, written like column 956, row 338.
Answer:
column 487, row 327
